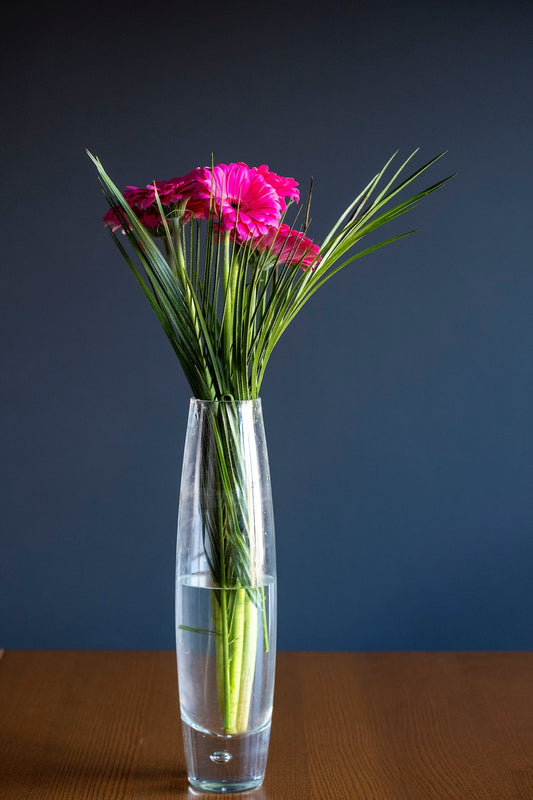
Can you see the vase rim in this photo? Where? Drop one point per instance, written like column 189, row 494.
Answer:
column 226, row 402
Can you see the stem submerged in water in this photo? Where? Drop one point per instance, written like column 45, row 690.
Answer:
column 249, row 646
column 236, row 651
column 235, row 623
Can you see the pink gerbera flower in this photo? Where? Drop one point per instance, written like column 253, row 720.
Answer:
column 170, row 192
column 248, row 201
column 139, row 197
column 284, row 187
column 142, row 202
column 289, row 246
column 240, row 196
column 111, row 220
column 177, row 190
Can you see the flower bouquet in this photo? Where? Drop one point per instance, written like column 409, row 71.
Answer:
column 225, row 275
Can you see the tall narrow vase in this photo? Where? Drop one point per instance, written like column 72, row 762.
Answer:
column 225, row 596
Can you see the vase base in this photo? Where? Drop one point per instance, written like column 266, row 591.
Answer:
column 225, row 764
column 224, row 788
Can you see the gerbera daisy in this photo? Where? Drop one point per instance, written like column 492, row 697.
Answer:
column 289, row 245
column 243, row 200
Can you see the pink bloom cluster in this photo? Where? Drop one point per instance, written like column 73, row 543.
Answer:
column 246, row 201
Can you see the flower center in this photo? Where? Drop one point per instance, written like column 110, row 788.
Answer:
column 238, row 206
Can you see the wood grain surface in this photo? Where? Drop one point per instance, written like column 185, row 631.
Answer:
column 347, row 726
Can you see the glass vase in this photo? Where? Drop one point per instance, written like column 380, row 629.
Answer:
column 225, row 596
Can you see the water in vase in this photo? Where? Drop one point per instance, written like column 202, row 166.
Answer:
column 226, row 661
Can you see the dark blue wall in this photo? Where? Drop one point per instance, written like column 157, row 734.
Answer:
column 398, row 407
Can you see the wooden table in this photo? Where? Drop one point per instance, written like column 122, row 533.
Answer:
column 347, row 726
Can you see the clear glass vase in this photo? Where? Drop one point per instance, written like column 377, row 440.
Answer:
column 225, row 596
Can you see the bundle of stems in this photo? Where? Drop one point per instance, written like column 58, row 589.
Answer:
column 224, row 304
column 228, row 500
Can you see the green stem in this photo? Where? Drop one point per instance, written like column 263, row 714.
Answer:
column 248, row 662
column 265, row 624
column 227, row 321
column 226, row 676
column 236, row 624
column 237, row 633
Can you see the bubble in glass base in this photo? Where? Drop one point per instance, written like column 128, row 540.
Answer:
column 225, row 764
column 221, row 757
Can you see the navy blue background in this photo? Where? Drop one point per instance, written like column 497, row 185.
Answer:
column 398, row 405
